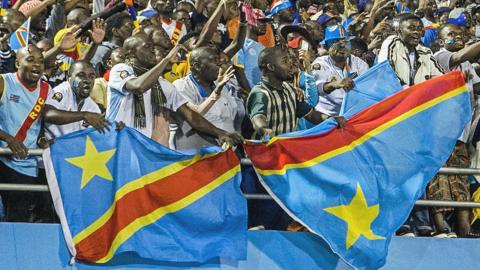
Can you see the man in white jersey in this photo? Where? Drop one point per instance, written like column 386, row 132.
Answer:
column 73, row 95
column 22, row 100
column 137, row 93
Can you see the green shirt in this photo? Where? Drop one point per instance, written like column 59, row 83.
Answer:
column 281, row 107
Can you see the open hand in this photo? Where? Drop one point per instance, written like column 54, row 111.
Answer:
column 230, row 139
column 224, row 75
column 18, row 149
column 70, row 39
column 98, row 30
column 97, row 121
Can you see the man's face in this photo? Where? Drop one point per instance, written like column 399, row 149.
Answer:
column 76, row 17
column 144, row 53
column 452, row 38
column 161, row 39
column 5, row 26
column 31, row 65
column 82, row 79
column 339, row 49
column 164, row 6
column 210, row 66
column 411, row 32
column 125, row 29
column 284, row 67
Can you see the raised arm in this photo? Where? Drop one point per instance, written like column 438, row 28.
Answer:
column 37, row 10
column 469, row 53
column 145, row 81
column 211, row 26
column 59, row 117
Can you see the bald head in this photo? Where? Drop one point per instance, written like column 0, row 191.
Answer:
column 30, row 64
column 202, row 54
column 140, row 50
column 28, row 50
column 132, row 43
column 76, row 16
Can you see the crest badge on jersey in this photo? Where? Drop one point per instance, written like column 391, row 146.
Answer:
column 123, row 74
column 57, row 96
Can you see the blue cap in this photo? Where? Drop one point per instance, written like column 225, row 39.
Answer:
column 323, row 19
column 333, row 33
column 280, row 5
column 460, row 20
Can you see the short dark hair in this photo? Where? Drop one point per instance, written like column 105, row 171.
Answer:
column 74, row 65
column 267, row 54
column 443, row 26
column 406, row 17
column 358, row 43
column 115, row 21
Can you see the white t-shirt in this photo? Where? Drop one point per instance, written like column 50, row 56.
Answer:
column 120, row 100
column 222, row 113
column 443, row 57
column 330, row 104
column 63, row 98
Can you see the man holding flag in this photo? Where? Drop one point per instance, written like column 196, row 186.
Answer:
column 25, row 94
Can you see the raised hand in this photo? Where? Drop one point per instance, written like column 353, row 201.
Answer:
column 70, row 39
column 4, row 40
column 223, row 77
column 98, row 30
column 97, row 121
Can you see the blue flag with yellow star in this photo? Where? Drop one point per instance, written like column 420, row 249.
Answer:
column 122, row 192
column 355, row 186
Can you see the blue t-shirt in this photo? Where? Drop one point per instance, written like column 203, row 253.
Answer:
column 247, row 58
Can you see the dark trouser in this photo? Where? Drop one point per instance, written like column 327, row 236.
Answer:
column 262, row 212
column 25, row 206
column 419, row 219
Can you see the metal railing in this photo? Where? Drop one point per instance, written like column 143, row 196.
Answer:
column 244, row 161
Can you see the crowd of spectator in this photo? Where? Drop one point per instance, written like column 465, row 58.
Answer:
column 194, row 73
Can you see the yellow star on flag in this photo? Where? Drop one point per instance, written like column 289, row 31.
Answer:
column 93, row 163
column 358, row 216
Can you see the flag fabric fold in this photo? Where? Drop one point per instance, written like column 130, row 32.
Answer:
column 376, row 84
column 356, row 186
column 122, row 192
column 19, row 38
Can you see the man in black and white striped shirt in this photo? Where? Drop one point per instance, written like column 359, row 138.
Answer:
column 273, row 105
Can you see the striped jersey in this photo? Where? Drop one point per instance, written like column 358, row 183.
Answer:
column 280, row 107
column 20, row 116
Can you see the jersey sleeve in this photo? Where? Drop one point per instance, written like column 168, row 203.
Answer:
column 173, row 98
column 119, row 76
column 257, row 103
